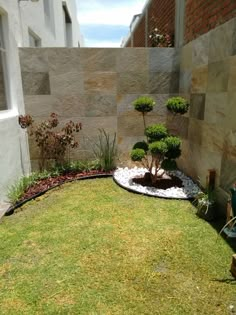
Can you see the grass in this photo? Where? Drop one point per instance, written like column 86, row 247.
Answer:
column 92, row 248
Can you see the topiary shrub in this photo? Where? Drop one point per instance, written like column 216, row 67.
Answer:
column 141, row 145
column 177, row 105
column 137, row 155
column 161, row 148
column 144, row 104
column 156, row 132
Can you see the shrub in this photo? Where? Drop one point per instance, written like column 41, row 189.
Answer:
column 105, row 150
column 52, row 145
column 161, row 149
column 158, row 148
column 144, row 104
column 177, row 105
column 169, row 165
column 137, row 155
column 141, row 145
column 156, row 132
column 173, row 144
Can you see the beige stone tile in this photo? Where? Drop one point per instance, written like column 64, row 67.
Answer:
column 232, row 74
column 105, row 82
column 98, row 59
column 221, row 40
column 35, row 83
column 132, row 60
column 64, row 60
column 34, row 59
column 133, row 82
column 218, row 76
column 70, row 83
column 163, row 82
column 199, row 79
column 164, row 60
column 40, row 105
column 216, row 108
column 195, row 161
column 200, row 50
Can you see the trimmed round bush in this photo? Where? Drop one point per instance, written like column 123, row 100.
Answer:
column 158, row 147
column 173, row 144
column 137, row 155
column 177, row 105
column 169, row 165
column 141, row 145
column 144, row 104
column 156, row 132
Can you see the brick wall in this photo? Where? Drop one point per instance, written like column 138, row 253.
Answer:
column 160, row 14
column 202, row 16
column 139, row 33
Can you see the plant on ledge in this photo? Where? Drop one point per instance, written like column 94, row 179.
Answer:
column 159, row 152
column 53, row 144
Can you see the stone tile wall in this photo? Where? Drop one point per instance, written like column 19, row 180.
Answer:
column 97, row 86
column 208, row 76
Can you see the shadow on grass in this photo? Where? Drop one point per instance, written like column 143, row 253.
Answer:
column 226, row 280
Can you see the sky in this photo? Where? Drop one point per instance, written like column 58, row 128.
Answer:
column 104, row 23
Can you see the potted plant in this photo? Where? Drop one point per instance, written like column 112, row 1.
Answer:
column 205, row 204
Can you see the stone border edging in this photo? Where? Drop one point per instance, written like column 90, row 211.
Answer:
column 11, row 209
column 188, row 192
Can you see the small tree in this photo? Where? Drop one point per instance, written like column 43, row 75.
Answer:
column 52, row 144
column 160, row 150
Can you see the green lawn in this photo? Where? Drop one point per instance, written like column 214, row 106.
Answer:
column 90, row 247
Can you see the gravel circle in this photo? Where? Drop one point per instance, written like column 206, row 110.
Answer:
column 124, row 178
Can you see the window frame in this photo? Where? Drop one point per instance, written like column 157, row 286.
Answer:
column 4, row 60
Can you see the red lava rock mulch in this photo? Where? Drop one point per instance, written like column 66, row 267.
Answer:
column 47, row 183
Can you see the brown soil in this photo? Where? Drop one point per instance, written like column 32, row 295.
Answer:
column 164, row 182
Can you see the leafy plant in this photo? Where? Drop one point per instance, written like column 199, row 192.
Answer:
column 177, row 105
column 52, row 145
column 160, row 150
column 144, row 104
column 17, row 190
column 105, row 150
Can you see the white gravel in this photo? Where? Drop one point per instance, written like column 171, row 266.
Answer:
column 124, row 176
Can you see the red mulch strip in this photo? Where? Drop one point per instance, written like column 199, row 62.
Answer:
column 47, row 183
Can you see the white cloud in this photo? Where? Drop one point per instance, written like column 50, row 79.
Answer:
column 94, row 12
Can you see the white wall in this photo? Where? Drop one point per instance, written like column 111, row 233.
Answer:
column 14, row 156
column 18, row 17
column 31, row 14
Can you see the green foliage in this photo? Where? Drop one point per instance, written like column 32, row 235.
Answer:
column 156, row 132
column 177, row 105
column 141, row 145
column 128, row 251
column 53, row 144
column 144, row 104
column 158, row 147
column 173, row 144
column 137, row 155
column 169, row 165
column 105, row 150
column 16, row 191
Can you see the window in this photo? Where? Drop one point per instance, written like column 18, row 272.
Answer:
column 48, row 14
column 34, row 40
column 3, row 98
column 67, row 26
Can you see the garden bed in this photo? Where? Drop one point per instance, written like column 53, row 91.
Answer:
column 43, row 185
column 180, row 186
